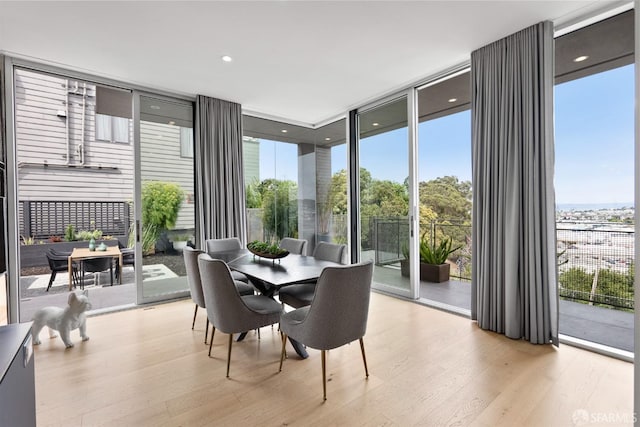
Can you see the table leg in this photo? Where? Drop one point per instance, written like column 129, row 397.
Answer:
column 299, row 348
column 70, row 268
column 120, row 269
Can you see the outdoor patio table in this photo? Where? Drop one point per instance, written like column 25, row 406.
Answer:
column 80, row 254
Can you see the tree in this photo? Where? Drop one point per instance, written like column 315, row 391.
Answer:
column 280, row 208
column 253, row 197
column 448, row 197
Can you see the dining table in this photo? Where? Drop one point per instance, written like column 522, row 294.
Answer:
column 269, row 275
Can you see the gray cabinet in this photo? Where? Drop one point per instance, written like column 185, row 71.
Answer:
column 17, row 386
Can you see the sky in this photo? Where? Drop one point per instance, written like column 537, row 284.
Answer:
column 594, row 137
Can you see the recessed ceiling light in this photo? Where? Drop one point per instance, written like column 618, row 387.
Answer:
column 154, row 107
column 227, row 58
column 375, row 124
column 327, row 139
column 581, row 58
column 453, row 99
column 284, row 131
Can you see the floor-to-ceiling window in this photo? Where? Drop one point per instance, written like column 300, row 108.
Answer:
column 594, row 181
column 296, row 181
column 444, row 175
column 74, row 162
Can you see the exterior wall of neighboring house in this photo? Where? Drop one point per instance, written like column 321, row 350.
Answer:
column 162, row 160
column 60, row 159
column 251, row 159
column 49, row 167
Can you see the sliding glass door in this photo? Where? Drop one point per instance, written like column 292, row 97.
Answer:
column 383, row 146
column 166, row 214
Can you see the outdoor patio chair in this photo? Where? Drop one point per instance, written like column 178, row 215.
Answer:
column 128, row 258
column 59, row 262
column 337, row 316
column 96, row 265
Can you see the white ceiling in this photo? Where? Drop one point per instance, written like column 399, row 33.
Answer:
column 299, row 61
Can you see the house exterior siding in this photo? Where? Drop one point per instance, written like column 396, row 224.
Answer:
column 60, row 159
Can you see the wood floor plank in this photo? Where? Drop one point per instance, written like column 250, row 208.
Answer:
column 146, row 367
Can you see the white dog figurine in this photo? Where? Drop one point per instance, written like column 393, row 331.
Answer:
column 63, row 320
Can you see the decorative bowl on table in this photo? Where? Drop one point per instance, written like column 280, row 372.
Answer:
column 266, row 250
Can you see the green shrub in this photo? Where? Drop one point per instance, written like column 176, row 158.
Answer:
column 69, row 233
column 160, row 206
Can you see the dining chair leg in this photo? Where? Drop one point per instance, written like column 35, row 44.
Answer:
column 258, row 332
column 213, row 331
column 324, row 375
column 206, row 330
column 364, row 358
column 194, row 317
column 282, row 353
column 229, row 353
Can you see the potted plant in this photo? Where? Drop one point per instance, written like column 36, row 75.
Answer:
column 180, row 241
column 433, row 260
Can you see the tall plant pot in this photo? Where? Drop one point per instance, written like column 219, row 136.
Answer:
column 434, row 273
column 404, row 267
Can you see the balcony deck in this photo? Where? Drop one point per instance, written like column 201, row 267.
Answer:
column 613, row 328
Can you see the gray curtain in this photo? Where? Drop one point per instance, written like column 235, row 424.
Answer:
column 514, row 279
column 219, row 169
column 2, row 112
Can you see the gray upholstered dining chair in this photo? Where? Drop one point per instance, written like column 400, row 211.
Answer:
column 337, row 316
column 301, row 294
column 294, row 246
column 227, row 310
column 195, row 284
column 226, row 245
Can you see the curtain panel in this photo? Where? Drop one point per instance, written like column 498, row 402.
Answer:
column 219, row 169
column 514, row 278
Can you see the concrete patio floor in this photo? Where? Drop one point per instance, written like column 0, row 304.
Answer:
column 613, row 328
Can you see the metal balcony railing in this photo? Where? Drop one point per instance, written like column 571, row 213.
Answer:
column 595, row 260
column 596, row 263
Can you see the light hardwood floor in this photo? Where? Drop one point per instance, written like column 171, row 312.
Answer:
column 146, row 367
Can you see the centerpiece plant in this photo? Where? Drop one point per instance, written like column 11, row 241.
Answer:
column 266, row 250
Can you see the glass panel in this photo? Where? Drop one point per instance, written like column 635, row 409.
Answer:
column 168, row 214
column 271, row 176
column 444, row 174
column 331, row 183
column 384, row 196
column 595, row 207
